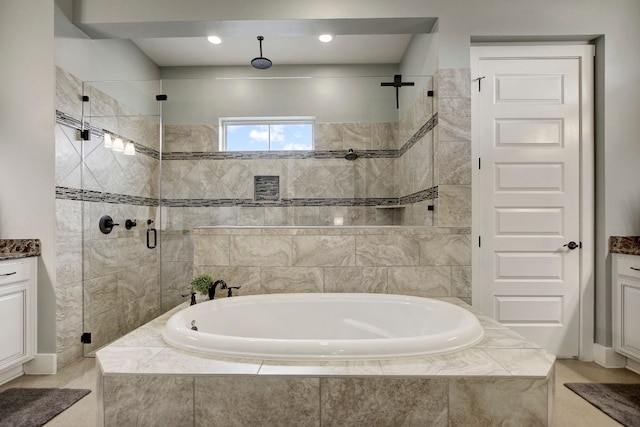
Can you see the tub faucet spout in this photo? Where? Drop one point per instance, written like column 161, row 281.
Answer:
column 214, row 285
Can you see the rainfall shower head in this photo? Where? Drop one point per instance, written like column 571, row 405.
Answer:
column 260, row 62
column 351, row 155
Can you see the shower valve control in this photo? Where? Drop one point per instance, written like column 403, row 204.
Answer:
column 129, row 224
column 106, row 224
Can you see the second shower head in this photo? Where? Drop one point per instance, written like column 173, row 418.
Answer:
column 351, row 155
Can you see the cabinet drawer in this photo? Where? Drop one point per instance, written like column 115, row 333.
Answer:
column 628, row 265
column 14, row 271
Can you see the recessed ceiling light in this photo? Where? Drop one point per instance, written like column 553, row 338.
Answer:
column 325, row 38
column 214, row 39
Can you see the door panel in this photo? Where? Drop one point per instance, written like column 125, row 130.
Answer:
column 528, row 134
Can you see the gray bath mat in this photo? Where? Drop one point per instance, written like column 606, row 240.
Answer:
column 30, row 407
column 620, row 401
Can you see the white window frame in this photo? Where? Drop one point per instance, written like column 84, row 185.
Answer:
column 262, row 121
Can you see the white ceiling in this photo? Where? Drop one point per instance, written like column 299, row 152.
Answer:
column 286, row 42
column 281, row 50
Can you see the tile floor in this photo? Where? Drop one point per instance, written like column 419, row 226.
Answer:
column 569, row 409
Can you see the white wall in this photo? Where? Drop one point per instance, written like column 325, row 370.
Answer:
column 331, row 94
column 27, row 194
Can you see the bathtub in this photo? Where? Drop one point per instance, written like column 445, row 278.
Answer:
column 323, row 326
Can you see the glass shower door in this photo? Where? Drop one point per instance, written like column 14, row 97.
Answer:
column 120, row 199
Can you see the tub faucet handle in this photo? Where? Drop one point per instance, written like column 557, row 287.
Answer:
column 193, row 297
column 230, row 290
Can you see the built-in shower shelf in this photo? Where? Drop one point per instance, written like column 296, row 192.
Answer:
column 390, row 207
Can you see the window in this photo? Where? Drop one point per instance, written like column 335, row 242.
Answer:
column 266, row 134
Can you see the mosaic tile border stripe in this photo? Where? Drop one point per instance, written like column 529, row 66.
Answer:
column 74, row 122
column 66, row 193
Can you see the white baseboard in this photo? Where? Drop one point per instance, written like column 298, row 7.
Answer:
column 10, row 374
column 633, row 365
column 42, row 364
column 607, row 357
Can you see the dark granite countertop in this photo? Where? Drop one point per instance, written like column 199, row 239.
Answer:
column 629, row 245
column 19, row 248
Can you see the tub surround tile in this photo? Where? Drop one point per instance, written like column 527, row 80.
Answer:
column 148, row 335
column 126, row 359
column 260, row 251
column 321, row 369
column 355, row 279
column 523, row 362
column 242, row 401
column 381, row 401
column 171, row 361
column 427, row 282
column 491, row 402
column 386, row 250
column 463, row 363
column 504, row 339
column 324, row 250
column 275, row 280
column 211, row 250
column 454, row 249
column 136, row 400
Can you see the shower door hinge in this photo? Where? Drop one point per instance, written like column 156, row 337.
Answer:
column 86, row 338
column 479, row 163
column 85, row 135
column 479, row 241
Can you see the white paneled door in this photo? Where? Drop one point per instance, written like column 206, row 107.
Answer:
column 527, row 189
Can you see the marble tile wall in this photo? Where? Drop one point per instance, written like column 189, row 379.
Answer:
column 421, row 261
column 453, row 147
column 113, row 276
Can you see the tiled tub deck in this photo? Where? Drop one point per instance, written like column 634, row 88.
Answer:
column 504, row 380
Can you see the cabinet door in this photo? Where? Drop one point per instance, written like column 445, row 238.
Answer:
column 630, row 293
column 12, row 332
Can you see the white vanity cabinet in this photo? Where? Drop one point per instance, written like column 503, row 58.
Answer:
column 626, row 308
column 17, row 315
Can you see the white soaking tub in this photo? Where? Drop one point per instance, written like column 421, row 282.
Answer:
column 323, row 326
